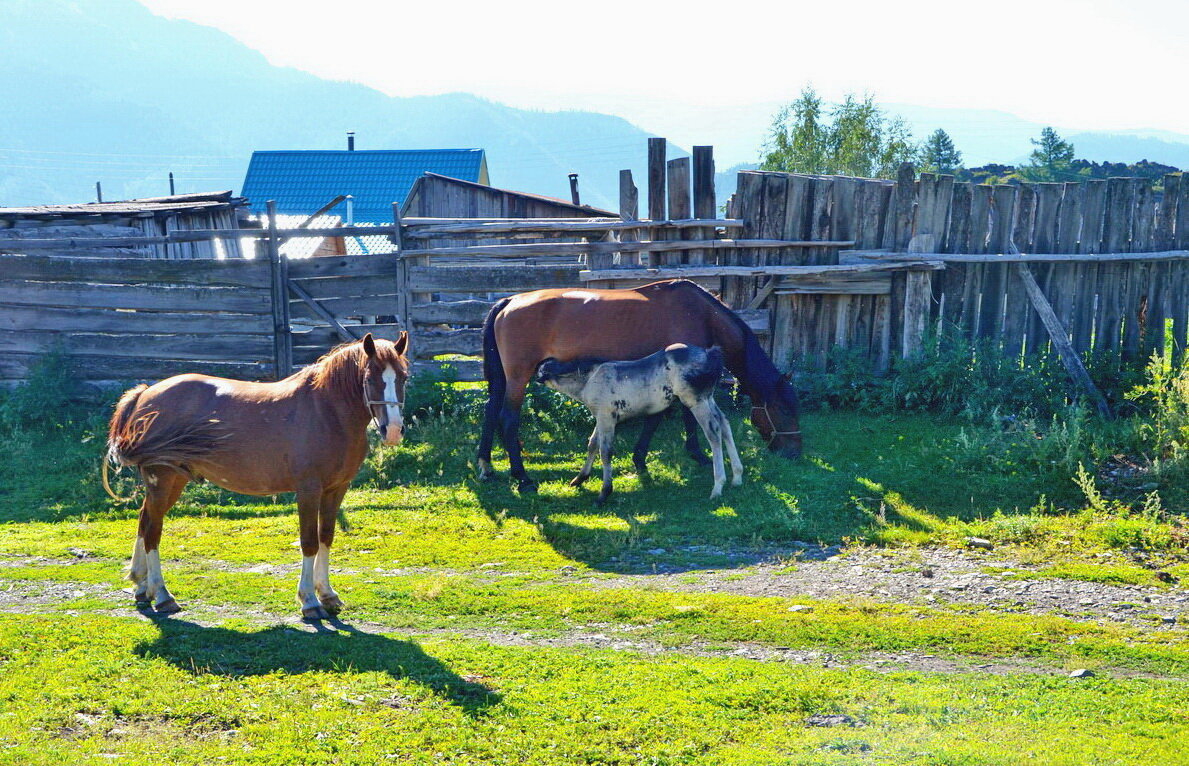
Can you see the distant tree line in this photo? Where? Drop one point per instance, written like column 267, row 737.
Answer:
column 858, row 138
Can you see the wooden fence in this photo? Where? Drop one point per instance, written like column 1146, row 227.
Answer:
column 812, row 263
column 144, row 319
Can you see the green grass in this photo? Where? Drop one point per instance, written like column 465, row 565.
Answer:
column 77, row 688
column 432, row 550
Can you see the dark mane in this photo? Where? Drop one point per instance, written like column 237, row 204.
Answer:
column 759, row 378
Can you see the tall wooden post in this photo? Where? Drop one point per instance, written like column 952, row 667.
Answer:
column 656, row 190
column 703, row 197
column 282, row 340
column 403, row 299
column 629, row 210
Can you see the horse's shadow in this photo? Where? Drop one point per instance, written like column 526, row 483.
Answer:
column 200, row 649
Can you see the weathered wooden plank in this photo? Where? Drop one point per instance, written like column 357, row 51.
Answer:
column 490, row 278
column 431, row 343
column 207, row 272
column 1167, row 215
column 629, row 210
column 469, row 312
column 656, row 178
column 918, row 294
column 251, row 348
column 567, row 227
column 1112, row 278
column 16, row 366
column 325, row 337
column 755, row 271
column 1181, row 227
column 837, row 284
column 240, row 300
column 71, row 319
column 704, row 200
column 576, row 249
column 898, row 227
column 882, row 255
column 352, row 306
column 677, row 186
column 994, row 285
column 344, row 266
column 1017, row 311
column 953, row 278
column 345, row 287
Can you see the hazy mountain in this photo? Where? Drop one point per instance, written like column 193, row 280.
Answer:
column 104, row 90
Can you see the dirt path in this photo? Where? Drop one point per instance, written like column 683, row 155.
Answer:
column 919, row 576
column 47, row 597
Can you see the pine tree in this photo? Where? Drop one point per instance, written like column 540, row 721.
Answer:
column 1051, row 160
column 938, row 154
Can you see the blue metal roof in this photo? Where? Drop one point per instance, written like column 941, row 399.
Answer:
column 303, row 181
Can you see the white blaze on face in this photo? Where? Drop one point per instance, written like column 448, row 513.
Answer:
column 396, row 423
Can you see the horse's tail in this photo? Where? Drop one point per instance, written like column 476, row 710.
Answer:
column 115, row 436
column 493, row 364
column 141, row 441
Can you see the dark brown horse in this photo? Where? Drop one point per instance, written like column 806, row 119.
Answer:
column 305, row 434
column 567, row 324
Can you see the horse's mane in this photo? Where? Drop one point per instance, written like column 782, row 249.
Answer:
column 759, row 376
column 340, row 368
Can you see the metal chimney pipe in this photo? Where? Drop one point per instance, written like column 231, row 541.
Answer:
column 350, row 140
column 98, row 192
column 574, row 188
column 350, row 210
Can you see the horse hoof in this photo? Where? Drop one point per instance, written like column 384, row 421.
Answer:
column 601, row 500
column 167, row 607
column 333, row 605
column 736, row 482
column 314, row 613
column 578, row 480
column 527, row 487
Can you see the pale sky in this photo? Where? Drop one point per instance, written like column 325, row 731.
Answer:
column 1086, row 64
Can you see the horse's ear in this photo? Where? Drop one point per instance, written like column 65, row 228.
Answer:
column 402, row 343
column 369, row 345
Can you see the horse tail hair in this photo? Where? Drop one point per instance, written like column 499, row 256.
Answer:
column 493, row 364
column 139, row 440
column 115, row 440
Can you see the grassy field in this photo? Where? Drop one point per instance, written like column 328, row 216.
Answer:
column 471, row 611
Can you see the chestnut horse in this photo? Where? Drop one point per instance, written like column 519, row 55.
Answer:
column 305, row 434
column 522, row 331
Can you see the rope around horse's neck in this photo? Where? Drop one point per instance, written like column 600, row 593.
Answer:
column 774, row 433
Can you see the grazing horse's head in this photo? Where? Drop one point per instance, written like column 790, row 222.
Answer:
column 775, row 414
column 385, row 372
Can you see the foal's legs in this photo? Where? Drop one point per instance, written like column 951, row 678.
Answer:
column 605, row 430
column 309, row 512
column 729, row 437
column 163, row 487
column 331, row 500
column 691, row 437
column 712, row 427
column 592, row 448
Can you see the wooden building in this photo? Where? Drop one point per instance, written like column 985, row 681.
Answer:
column 439, row 196
column 153, row 217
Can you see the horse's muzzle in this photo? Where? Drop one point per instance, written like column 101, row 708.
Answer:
column 392, row 434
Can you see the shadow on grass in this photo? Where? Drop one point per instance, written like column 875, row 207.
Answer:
column 200, row 649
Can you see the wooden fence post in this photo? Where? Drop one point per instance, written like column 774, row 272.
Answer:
column 918, row 296
column 403, row 299
column 703, row 196
column 282, row 340
column 629, row 210
column 678, row 187
column 656, row 189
